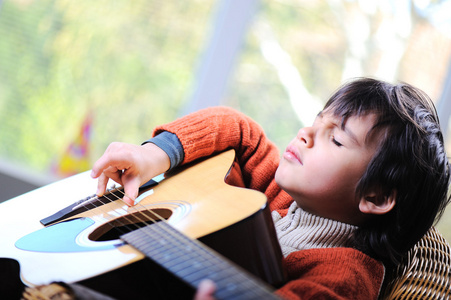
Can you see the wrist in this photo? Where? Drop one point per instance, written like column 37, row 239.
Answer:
column 170, row 144
column 159, row 161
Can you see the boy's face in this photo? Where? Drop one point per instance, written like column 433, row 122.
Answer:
column 321, row 167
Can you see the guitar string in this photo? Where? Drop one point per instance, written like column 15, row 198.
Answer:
column 139, row 212
column 120, row 211
column 155, row 214
column 205, row 254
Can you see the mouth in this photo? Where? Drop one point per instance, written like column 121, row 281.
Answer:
column 292, row 154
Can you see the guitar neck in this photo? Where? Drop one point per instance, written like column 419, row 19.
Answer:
column 192, row 261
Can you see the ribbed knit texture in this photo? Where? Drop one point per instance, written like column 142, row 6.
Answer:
column 332, row 273
column 216, row 129
column 300, row 230
column 316, row 273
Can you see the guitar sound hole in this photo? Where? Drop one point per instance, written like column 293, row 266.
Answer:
column 113, row 229
column 115, row 232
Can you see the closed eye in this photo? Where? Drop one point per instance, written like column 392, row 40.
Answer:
column 336, row 142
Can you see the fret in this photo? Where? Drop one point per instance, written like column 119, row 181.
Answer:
column 192, row 261
column 90, row 229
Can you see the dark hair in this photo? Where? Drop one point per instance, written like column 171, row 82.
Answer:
column 410, row 163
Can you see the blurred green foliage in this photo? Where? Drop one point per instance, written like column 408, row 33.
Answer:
column 130, row 63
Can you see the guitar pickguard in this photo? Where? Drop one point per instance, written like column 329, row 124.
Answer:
column 64, row 237
column 76, row 246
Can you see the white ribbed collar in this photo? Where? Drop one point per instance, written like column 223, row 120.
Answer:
column 300, row 230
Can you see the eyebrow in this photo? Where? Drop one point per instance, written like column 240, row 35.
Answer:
column 343, row 127
column 350, row 134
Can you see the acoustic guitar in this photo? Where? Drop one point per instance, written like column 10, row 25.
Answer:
column 55, row 236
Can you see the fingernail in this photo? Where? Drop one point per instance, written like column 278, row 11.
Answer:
column 207, row 283
column 129, row 202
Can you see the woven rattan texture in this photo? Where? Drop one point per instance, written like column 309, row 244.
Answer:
column 425, row 273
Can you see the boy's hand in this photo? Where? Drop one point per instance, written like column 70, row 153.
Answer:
column 205, row 290
column 129, row 165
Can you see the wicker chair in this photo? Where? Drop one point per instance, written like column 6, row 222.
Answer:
column 425, row 273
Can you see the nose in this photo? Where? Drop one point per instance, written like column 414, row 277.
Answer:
column 306, row 135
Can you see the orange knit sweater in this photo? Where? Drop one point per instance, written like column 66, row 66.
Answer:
column 323, row 273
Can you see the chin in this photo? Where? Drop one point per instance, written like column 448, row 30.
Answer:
column 281, row 180
column 277, row 176
column 284, row 173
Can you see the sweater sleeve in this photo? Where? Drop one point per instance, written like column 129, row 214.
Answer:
column 332, row 273
column 216, row 129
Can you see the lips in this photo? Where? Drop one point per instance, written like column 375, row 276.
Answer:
column 292, row 154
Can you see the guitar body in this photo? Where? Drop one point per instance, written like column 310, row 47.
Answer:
column 195, row 201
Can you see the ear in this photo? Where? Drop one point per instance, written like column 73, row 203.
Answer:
column 376, row 204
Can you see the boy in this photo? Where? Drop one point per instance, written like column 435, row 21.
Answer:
column 349, row 196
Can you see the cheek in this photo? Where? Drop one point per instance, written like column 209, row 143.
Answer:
column 332, row 176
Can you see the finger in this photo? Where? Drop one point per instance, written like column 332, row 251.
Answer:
column 107, row 164
column 131, row 189
column 115, row 156
column 98, row 167
column 113, row 173
column 109, row 173
column 102, row 183
column 205, row 290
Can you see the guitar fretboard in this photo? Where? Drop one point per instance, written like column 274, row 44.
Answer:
column 192, row 261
